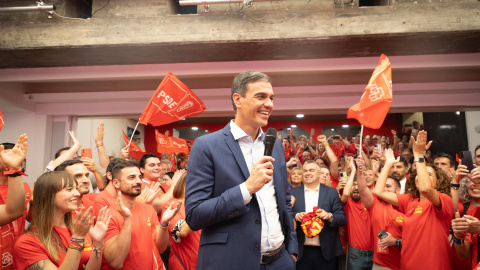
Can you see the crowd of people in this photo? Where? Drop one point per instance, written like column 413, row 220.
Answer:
column 324, row 204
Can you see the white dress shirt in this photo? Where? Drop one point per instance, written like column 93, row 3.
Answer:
column 272, row 235
column 311, row 200
column 403, row 183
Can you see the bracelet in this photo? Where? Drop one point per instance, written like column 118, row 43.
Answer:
column 456, row 240
column 76, row 246
column 326, row 144
column 454, row 186
column 98, row 251
column 98, row 145
column 12, row 173
column 164, row 227
column 76, row 240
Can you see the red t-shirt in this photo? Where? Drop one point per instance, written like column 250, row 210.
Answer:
column 29, row 250
column 384, row 217
column 456, row 263
column 338, row 149
column 352, row 150
column 359, row 228
column 11, row 231
column 142, row 252
column 104, row 198
column 89, row 200
column 425, row 232
column 288, row 152
column 187, row 249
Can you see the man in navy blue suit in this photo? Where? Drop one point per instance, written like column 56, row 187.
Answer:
column 321, row 251
column 237, row 196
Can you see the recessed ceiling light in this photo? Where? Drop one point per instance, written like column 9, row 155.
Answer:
column 345, row 126
column 458, row 112
column 293, row 126
column 194, row 128
column 300, row 115
column 289, row 128
column 206, row 130
column 333, row 129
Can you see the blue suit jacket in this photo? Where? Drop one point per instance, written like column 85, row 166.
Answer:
column 329, row 201
column 231, row 230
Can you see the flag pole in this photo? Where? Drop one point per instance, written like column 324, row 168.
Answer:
column 133, row 133
column 361, row 134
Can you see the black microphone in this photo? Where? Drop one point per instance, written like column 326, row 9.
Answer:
column 269, row 142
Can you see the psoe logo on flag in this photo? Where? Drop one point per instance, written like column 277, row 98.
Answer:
column 376, row 92
column 178, row 144
column 161, row 140
column 185, row 106
column 167, row 100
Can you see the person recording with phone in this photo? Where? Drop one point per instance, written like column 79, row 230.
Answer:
column 236, row 193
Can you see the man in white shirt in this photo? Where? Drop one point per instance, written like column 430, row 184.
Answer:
column 399, row 171
column 237, row 196
column 321, row 251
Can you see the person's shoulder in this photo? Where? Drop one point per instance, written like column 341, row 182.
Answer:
column 297, row 189
column 330, row 189
column 212, row 136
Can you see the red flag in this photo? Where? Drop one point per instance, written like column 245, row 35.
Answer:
column 172, row 101
column 134, row 151
column 376, row 98
column 1, row 121
column 170, row 145
column 311, row 224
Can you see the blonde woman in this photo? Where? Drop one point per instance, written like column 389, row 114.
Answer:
column 54, row 240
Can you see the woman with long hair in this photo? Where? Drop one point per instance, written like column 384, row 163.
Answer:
column 54, row 240
column 184, row 242
column 428, row 208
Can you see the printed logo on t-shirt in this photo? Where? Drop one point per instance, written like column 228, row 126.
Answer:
column 400, row 218
column 418, row 210
column 149, row 222
column 7, row 259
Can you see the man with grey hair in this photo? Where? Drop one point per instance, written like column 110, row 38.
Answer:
column 238, row 196
column 322, row 250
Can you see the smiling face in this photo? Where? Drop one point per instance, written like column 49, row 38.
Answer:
column 477, row 157
column 311, row 175
column 66, row 199
column 370, row 178
column 296, row 177
column 474, row 191
column 81, row 175
column 355, row 195
column 325, row 177
column 152, row 170
column 255, row 108
column 130, row 182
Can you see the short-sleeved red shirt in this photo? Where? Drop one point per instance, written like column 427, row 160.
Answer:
column 11, row 231
column 359, row 228
column 187, row 249
column 384, row 217
column 142, row 252
column 29, row 250
column 104, row 198
column 425, row 232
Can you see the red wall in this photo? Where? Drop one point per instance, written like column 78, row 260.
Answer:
column 389, row 124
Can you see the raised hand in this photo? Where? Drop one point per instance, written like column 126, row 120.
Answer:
column 89, row 163
column 420, row 144
column 176, row 176
column 13, row 158
column 389, row 157
column 75, row 142
column 148, row 194
column 98, row 232
column 121, row 208
column 360, row 163
column 475, row 174
column 124, row 154
column 171, row 211
column 83, row 222
column 99, row 134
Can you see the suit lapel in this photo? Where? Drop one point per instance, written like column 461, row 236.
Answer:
column 236, row 151
column 321, row 196
column 301, row 200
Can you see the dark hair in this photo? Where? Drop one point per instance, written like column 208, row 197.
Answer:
column 443, row 183
column 114, row 162
column 120, row 166
column 322, row 158
column 66, row 163
column 143, row 160
column 476, row 148
column 445, row 155
column 136, row 132
column 242, row 80
column 170, row 174
column 57, row 154
column 396, row 180
column 404, row 161
column 179, row 189
column 7, row 145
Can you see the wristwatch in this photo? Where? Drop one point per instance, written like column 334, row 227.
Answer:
column 398, row 242
column 419, row 159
